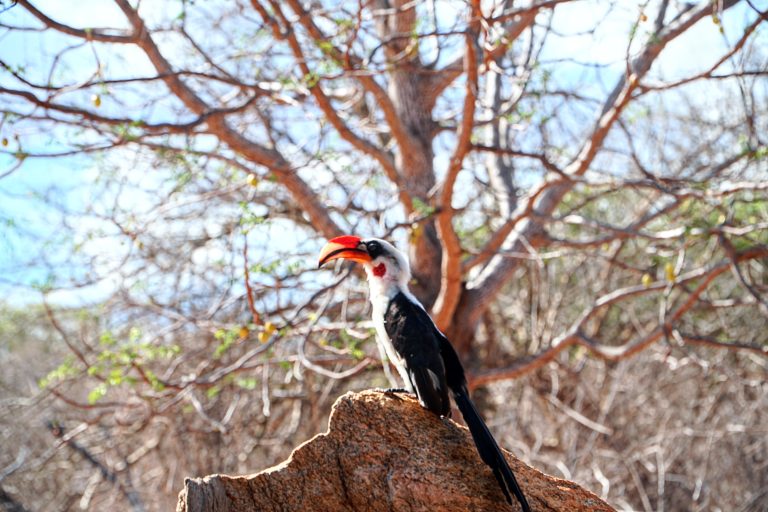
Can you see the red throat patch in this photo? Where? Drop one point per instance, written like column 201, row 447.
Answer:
column 379, row 270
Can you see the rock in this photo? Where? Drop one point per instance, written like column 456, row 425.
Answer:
column 383, row 452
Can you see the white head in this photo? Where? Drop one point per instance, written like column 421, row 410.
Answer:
column 386, row 267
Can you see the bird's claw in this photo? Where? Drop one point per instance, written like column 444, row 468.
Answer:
column 392, row 391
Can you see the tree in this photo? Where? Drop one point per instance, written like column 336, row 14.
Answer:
column 556, row 202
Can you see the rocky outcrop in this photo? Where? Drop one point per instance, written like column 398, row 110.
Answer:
column 382, row 452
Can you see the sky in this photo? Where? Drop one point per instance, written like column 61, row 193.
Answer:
column 28, row 229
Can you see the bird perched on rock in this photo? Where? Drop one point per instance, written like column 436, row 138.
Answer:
column 423, row 356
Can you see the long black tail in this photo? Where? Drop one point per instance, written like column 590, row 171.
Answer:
column 488, row 449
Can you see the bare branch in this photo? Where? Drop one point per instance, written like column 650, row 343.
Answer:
column 522, row 19
column 576, row 334
column 258, row 154
column 487, row 285
column 322, row 100
column 450, row 286
column 101, row 35
column 355, row 65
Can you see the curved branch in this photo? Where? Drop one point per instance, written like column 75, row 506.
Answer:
column 481, row 290
column 88, row 34
column 709, row 73
column 576, row 335
column 322, row 100
column 152, row 128
column 218, row 126
column 355, row 64
column 450, row 285
column 522, row 18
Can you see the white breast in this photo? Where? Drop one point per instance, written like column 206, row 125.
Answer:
column 380, row 301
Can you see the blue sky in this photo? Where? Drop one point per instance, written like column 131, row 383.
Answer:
column 28, row 228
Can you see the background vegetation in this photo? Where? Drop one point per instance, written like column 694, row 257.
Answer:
column 581, row 186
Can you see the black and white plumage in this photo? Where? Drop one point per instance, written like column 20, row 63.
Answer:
column 422, row 355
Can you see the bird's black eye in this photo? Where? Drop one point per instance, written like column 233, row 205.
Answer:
column 374, row 249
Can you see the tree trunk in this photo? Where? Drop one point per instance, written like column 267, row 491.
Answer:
column 414, row 159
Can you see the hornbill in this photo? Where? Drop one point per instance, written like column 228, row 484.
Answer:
column 423, row 356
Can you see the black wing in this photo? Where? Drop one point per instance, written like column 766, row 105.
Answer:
column 434, row 367
column 417, row 341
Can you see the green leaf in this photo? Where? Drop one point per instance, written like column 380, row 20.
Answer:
column 97, row 393
column 63, row 371
column 107, row 339
column 154, row 380
column 422, row 208
column 227, row 338
column 115, row 377
column 249, row 383
column 311, row 79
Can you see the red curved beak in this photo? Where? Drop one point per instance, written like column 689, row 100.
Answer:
column 347, row 247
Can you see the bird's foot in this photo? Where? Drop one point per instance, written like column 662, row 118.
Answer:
column 392, row 391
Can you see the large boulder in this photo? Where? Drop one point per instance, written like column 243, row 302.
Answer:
column 383, row 452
